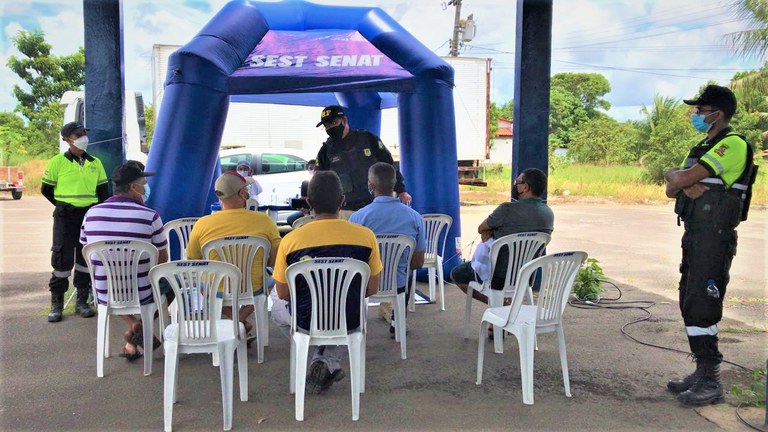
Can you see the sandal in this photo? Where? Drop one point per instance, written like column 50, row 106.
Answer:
column 138, row 339
column 131, row 357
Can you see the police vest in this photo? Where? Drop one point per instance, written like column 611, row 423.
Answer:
column 351, row 160
column 722, row 205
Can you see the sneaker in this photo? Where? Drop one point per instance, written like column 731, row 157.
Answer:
column 385, row 311
column 317, row 377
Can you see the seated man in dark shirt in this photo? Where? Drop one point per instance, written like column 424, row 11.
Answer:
column 526, row 213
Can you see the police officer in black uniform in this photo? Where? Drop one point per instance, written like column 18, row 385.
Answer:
column 712, row 189
column 350, row 153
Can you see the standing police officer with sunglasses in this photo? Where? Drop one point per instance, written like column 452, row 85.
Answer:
column 712, row 188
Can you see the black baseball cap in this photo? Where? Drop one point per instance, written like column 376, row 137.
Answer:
column 716, row 96
column 330, row 113
column 72, row 127
column 128, row 173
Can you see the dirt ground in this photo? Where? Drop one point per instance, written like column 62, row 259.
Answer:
column 48, row 375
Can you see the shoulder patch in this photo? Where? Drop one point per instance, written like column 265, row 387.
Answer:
column 381, row 144
column 367, row 152
column 721, row 150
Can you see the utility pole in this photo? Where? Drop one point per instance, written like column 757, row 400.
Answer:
column 456, row 28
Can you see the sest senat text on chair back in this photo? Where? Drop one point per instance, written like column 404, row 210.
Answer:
column 120, row 260
column 198, row 328
column 243, row 252
column 328, row 280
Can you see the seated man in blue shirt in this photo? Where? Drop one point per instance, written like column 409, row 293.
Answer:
column 387, row 215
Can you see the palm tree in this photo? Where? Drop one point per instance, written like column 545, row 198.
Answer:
column 754, row 40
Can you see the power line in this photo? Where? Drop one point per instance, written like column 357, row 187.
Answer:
column 636, row 70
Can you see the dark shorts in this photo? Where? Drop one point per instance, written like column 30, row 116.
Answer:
column 464, row 274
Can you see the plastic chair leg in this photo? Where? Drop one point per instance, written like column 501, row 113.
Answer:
column 101, row 340
column 526, row 341
column 147, row 326
column 169, row 384
column 441, row 282
column 300, row 358
column 226, row 371
column 400, row 323
column 496, row 299
column 468, row 312
column 431, row 273
column 242, row 369
column 563, row 360
column 107, row 351
column 354, row 347
column 481, row 352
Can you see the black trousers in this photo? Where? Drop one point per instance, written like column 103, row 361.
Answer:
column 707, row 254
column 66, row 251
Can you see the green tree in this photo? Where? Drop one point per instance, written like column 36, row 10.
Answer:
column 46, row 77
column 149, row 123
column 603, row 140
column 670, row 136
column 11, row 137
column 565, row 113
column 589, row 88
column 507, row 111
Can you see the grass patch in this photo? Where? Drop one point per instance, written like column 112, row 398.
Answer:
column 619, row 183
column 68, row 311
column 743, row 330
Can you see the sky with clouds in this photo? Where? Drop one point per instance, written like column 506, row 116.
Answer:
column 643, row 47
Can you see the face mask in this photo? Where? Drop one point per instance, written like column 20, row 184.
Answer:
column 370, row 190
column 244, row 173
column 515, row 193
column 145, row 196
column 335, row 132
column 81, row 143
column 698, row 122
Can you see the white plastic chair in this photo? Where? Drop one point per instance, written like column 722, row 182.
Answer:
column 302, row 221
column 182, row 227
column 120, row 260
column 392, row 248
column 329, row 282
column 526, row 321
column 198, row 327
column 242, row 251
column 436, row 227
column 522, row 247
column 252, row 204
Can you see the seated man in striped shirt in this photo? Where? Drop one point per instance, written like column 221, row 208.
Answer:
column 125, row 217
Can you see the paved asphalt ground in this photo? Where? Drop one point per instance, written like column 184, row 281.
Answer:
column 48, row 371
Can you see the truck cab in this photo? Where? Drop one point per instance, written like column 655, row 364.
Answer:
column 135, row 138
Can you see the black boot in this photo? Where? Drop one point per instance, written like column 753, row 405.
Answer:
column 677, row 386
column 57, row 307
column 81, row 307
column 706, row 390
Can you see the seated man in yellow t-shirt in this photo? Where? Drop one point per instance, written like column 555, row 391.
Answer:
column 235, row 219
column 325, row 236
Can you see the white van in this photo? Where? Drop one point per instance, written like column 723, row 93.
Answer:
column 279, row 171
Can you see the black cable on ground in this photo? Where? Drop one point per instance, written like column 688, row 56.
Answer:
column 746, row 423
column 643, row 305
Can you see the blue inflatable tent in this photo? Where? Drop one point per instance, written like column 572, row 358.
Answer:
column 296, row 52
